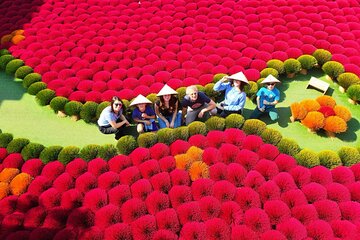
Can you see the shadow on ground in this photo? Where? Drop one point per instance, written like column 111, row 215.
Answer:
column 10, row 89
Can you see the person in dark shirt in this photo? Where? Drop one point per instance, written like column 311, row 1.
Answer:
column 166, row 108
column 143, row 114
column 196, row 105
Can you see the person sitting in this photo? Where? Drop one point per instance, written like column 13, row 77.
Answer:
column 112, row 120
column 235, row 97
column 196, row 105
column 143, row 114
column 166, row 108
column 267, row 97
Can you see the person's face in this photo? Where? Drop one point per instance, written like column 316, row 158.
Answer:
column 117, row 105
column 167, row 97
column 142, row 107
column 270, row 86
column 193, row 94
column 237, row 83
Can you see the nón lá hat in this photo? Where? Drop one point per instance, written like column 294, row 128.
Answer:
column 139, row 100
column 166, row 90
column 240, row 76
column 270, row 79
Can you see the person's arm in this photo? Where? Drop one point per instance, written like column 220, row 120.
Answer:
column 149, row 113
column 183, row 112
column 211, row 106
column 271, row 103
column 258, row 104
column 276, row 100
column 221, row 84
column 160, row 115
column 149, row 116
column 184, row 106
column 122, row 117
column 117, row 124
column 174, row 115
column 136, row 117
column 142, row 121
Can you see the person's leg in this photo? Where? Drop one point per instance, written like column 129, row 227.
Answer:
column 120, row 132
column 161, row 122
column 140, row 128
column 192, row 116
column 177, row 122
column 107, row 130
column 273, row 114
column 256, row 114
column 213, row 112
column 207, row 114
column 154, row 126
column 223, row 114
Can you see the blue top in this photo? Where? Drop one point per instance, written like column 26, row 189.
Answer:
column 107, row 116
column 234, row 99
column 137, row 114
column 268, row 95
column 199, row 102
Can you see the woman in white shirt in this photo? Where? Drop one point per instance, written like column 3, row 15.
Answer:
column 112, row 120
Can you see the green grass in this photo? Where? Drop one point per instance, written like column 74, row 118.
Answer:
column 23, row 117
column 294, row 90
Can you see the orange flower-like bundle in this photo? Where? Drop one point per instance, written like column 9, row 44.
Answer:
column 20, row 183
column 7, row 174
column 314, row 120
column 195, row 153
column 198, row 170
column 183, row 161
column 342, row 112
column 298, row 111
column 326, row 101
column 15, row 37
column 192, row 161
column 4, row 190
column 322, row 113
column 310, row 105
column 335, row 124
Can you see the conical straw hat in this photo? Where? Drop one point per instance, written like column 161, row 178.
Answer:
column 139, row 100
column 270, row 79
column 166, row 90
column 239, row 76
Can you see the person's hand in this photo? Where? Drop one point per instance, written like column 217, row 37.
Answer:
column 144, row 115
column 201, row 113
column 167, row 123
column 171, row 124
column 262, row 109
column 126, row 122
column 224, row 79
column 148, row 123
column 266, row 102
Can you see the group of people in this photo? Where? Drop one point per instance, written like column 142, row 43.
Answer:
column 196, row 105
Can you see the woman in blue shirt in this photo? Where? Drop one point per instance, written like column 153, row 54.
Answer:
column 235, row 98
column 112, row 120
column 267, row 97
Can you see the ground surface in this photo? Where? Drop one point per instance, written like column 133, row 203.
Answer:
column 22, row 112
